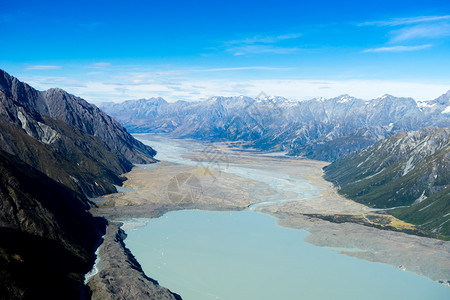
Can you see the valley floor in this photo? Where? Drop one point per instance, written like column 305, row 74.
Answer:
column 213, row 182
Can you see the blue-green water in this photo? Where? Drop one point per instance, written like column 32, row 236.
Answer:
column 245, row 255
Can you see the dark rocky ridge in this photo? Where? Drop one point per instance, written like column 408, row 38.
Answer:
column 78, row 160
column 69, row 139
column 54, row 150
column 47, row 237
column 75, row 111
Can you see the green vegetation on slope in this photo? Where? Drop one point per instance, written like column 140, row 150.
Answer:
column 432, row 214
column 408, row 169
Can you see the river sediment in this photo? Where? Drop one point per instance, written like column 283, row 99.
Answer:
column 237, row 180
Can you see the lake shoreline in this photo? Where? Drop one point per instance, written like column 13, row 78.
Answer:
column 291, row 214
column 119, row 274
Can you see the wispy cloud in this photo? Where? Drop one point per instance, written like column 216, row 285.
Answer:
column 258, row 49
column 42, row 67
column 274, row 44
column 406, row 21
column 415, row 30
column 237, row 69
column 398, row 48
column 268, row 39
column 104, row 88
column 422, row 31
column 101, row 64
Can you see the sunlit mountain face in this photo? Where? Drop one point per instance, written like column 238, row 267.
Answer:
column 249, row 150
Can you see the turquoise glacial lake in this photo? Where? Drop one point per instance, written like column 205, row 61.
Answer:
column 246, row 255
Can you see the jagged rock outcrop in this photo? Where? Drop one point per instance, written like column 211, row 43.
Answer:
column 408, row 169
column 323, row 129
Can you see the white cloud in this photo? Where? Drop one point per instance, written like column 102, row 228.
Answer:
column 422, row 31
column 101, row 64
column 262, row 44
column 173, row 89
column 42, row 67
column 398, row 48
column 236, row 69
column 267, row 39
column 260, row 49
column 406, row 21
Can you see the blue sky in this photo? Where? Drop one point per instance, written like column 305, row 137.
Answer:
column 116, row 50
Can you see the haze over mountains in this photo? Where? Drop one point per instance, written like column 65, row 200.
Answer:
column 323, row 129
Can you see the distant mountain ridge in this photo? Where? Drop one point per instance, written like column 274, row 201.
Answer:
column 408, row 170
column 323, row 129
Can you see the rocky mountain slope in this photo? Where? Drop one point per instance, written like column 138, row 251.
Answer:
column 60, row 105
column 323, row 129
column 47, row 239
column 75, row 144
column 408, row 170
column 55, row 149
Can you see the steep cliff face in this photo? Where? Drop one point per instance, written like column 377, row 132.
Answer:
column 60, row 105
column 68, row 139
column 55, row 149
column 323, row 129
column 47, row 239
column 78, row 160
column 407, row 169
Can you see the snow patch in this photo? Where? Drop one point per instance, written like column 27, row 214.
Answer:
column 446, row 110
column 345, row 99
column 422, row 104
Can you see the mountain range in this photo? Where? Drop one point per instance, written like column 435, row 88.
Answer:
column 384, row 152
column 55, row 151
column 323, row 129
